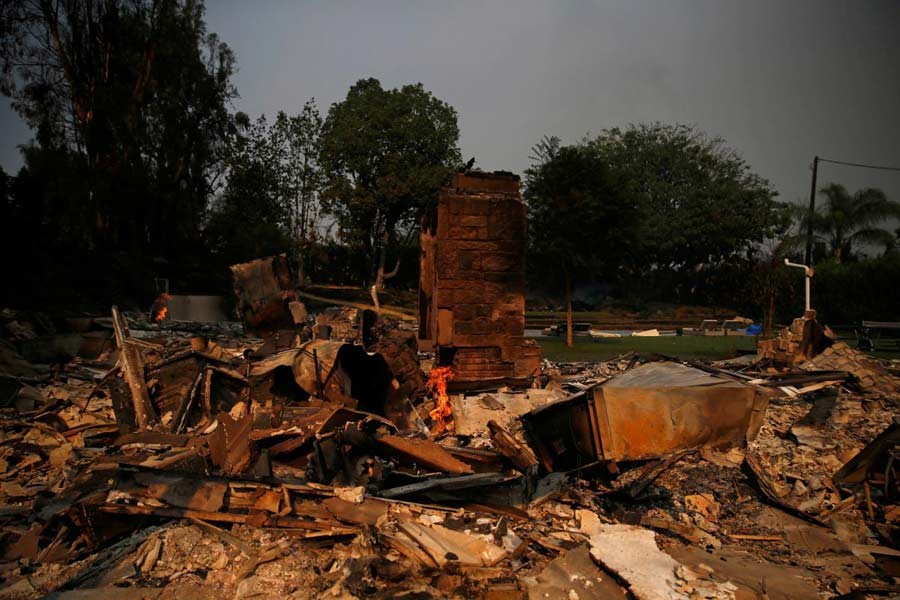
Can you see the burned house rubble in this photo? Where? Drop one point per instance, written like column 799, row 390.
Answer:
column 319, row 454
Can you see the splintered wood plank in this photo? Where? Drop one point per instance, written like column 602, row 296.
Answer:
column 207, row 495
column 444, row 545
column 367, row 512
column 133, row 369
column 518, row 453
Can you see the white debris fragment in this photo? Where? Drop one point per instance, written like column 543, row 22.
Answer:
column 632, row 553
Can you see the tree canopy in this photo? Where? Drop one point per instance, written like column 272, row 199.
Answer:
column 130, row 105
column 140, row 168
column 250, row 217
column 385, row 154
column 270, row 202
column 699, row 201
column 581, row 218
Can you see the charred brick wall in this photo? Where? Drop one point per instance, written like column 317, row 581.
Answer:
column 472, row 288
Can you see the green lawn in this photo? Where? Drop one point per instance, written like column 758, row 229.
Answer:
column 585, row 349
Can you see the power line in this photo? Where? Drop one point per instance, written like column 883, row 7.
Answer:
column 850, row 164
column 812, row 192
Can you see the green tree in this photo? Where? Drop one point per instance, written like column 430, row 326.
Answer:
column 251, row 217
column 269, row 203
column 385, row 155
column 297, row 139
column 581, row 218
column 847, row 221
column 700, row 204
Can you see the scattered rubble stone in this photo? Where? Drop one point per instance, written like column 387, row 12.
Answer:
column 869, row 374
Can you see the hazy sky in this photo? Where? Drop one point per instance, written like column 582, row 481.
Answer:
column 780, row 80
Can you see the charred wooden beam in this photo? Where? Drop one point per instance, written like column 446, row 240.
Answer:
column 133, row 369
column 518, row 453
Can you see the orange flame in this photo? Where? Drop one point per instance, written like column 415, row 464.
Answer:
column 159, row 310
column 442, row 414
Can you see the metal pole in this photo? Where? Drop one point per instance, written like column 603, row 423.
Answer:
column 808, row 273
column 808, row 279
column 812, row 212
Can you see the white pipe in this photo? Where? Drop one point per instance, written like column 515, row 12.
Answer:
column 809, row 273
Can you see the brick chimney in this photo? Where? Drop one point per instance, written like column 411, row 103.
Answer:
column 472, row 281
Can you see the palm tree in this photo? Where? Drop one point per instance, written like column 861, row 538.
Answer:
column 846, row 220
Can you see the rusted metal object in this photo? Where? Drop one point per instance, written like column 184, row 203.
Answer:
column 426, row 453
column 263, row 288
column 335, row 371
column 650, row 411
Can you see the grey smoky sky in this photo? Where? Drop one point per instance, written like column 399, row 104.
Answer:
column 780, row 81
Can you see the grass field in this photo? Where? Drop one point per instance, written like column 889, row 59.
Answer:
column 669, row 317
column 712, row 348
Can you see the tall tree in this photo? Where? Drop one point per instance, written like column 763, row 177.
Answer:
column 135, row 94
column 581, row 218
column 297, row 138
column 273, row 180
column 385, row 155
column 846, row 221
column 700, row 203
column 251, row 217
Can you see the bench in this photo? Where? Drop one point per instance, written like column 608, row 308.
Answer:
column 871, row 331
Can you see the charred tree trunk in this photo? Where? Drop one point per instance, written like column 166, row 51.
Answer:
column 382, row 258
column 381, row 276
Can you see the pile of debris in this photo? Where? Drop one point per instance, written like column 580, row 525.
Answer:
column 327, row 466
column 802, row 340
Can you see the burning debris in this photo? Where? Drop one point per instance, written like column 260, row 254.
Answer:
column 160, row 308
column 442, row 413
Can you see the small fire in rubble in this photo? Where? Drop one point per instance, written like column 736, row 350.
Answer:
column 159, row 310
column 442, row 413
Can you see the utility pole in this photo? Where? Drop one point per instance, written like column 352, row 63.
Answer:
column 812, row 212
